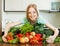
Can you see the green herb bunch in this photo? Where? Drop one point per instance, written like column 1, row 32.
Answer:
column 26, row 28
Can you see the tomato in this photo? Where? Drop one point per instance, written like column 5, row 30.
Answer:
column 27, row 36
column 9, row 38
column 35, row 38
column 38, row 35
column 41, row 38
column 28, row 33
column 40, row 42
column 32, row 42
column 19, row 35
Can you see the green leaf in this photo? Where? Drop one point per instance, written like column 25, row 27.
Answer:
column 39, row 28
column 0, row 38
column 15, row 40
column 26, row 28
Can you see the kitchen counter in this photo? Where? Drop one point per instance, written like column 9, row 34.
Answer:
column 5, row 44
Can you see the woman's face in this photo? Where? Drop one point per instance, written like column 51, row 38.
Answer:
column 32, row 14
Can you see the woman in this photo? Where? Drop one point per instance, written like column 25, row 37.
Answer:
column 32, row 17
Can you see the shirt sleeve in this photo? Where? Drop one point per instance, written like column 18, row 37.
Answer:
column 22, row 21
column 42, row 20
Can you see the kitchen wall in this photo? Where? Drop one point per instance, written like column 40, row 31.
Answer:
column 0, row 16
column 7, row 17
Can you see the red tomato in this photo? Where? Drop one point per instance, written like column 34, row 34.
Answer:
column 40, row 39
column 27, row 33
column 32, row 42
column 9, row 38
column 20, row 35
column 38, row 35
column 28, row 36
column 36, row 38
column 40, row 42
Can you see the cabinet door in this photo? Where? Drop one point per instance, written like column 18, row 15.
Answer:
column 20, row 5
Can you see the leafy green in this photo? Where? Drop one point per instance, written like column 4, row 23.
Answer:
column 0, row 38
column 15, row 30
column 26, row 28
column 23, row 29
column 57, row 39
column 48, row 31
column 13, row 41
column 39, row 28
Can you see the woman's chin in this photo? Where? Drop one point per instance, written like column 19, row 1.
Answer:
column 33, row 20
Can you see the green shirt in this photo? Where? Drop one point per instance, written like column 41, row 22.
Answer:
column 40, row 20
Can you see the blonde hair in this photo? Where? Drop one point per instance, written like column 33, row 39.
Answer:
column 29, row 6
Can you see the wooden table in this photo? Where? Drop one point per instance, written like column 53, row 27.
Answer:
column 5, row 44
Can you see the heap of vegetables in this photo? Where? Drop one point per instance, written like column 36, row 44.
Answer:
column 28, row 34
column 22, row 29
column 11, row 38
column 29, row 37
column 24, row 34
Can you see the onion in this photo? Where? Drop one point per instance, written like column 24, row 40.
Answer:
column 32, row 33
column 22, row 40
column 26, row 39
column 31, row 36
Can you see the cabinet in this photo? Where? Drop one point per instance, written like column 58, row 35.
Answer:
column 20, row 5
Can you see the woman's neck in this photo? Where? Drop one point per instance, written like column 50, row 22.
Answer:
column 33, row 22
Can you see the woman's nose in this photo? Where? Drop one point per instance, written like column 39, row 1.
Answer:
column 32, row 14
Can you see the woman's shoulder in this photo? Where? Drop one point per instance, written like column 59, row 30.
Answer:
column 41, row 20
column 24, row 20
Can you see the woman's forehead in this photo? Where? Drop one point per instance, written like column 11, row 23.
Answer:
column 31, row 9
